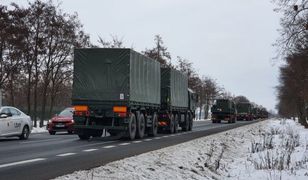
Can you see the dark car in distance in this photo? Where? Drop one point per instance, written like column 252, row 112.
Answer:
column 62, row 122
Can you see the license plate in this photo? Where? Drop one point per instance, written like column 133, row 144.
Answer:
column 59, row 125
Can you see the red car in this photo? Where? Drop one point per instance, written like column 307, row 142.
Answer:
column 62, row 122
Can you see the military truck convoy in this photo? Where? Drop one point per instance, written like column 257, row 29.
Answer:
column 128, row 94
column 227, row 110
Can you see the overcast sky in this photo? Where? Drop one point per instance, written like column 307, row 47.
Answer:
column 228, row 40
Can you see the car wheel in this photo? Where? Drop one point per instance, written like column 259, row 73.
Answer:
column 25, row 133
column 52, row 132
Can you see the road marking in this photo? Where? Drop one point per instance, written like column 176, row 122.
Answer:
column 66, row 154
column 108, row 147
column 157, row 138
column 165, row 136
column 137, row 141
column 90, row 150
column 124, row 144
column 148, row 139
column 22, row 162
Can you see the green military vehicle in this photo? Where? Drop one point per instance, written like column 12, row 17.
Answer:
column 244, row 111
column 223, row 110
column 120, row 90
column 178, row 103
column 117, row 90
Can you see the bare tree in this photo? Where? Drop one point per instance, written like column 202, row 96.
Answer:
column 294, row 23
column 115, row 42
column 159, row 52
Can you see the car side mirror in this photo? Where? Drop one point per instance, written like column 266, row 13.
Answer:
column 3, row 115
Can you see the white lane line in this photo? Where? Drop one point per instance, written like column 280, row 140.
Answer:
column 65, row 154
column 90, row 150
column 157, row 138
column 21, row 162
column 108, row 147
column 124, row 144
column 165, row 136
column 148, row 139
column 137, row 141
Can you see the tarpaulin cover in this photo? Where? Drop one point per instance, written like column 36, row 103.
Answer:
column 174, row 88
column 243, row 107
column 107, row 74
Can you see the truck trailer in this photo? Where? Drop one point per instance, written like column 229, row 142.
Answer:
column 122, row 92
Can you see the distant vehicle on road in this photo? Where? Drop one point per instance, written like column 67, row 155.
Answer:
column 62, row 122
column 13, row 122
column 224, row 109
column 244, row 111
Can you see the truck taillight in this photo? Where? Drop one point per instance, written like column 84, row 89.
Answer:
column 120, row 109
column 81, row 108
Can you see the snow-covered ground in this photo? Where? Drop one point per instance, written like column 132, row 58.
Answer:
column 272, row 149
column 39, row 129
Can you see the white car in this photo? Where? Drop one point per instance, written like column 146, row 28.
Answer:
column 14, row 122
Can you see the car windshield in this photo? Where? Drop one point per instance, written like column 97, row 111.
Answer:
column 67, row 112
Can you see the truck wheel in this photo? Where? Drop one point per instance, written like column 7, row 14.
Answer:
column 190, row 123
column 84, row 136
column 154, row 127
column 131, row 131
column 186, row 124
column 171, row 125
column 140, row 126
column 176, row 123
column 98, row 134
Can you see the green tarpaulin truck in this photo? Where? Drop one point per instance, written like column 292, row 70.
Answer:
column 120, row 90
column 244, row 111
column 223, row 110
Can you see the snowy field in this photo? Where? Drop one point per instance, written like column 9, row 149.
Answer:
column 272, row 149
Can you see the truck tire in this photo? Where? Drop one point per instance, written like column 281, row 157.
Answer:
column 185, row 127
column 190, row 122
column 84, row 136
column 171, row 125
column 153, row 129
column 132, row 126
column 176, row 123
column 140, row 125
column 98, row 134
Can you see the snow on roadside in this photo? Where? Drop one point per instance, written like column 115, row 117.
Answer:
column 39, row 129
column 272, row 149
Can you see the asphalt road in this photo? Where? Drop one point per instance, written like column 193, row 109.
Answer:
column 43, row 156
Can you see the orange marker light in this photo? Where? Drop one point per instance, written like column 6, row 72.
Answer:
column 81, row 108
column 120, row 109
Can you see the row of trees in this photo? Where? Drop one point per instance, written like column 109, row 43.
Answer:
column 36, row 45
column 293, row 48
